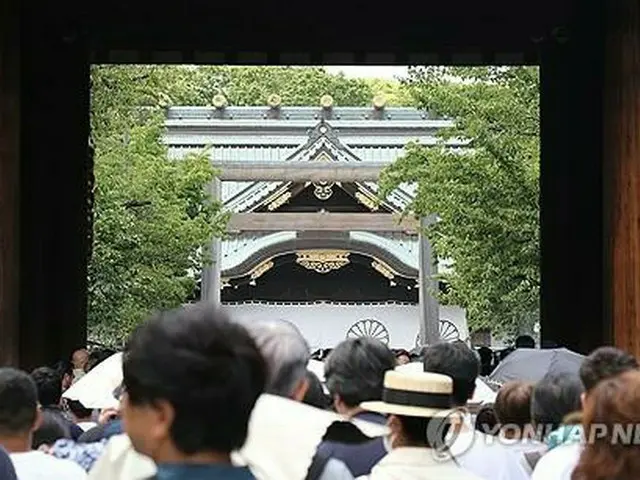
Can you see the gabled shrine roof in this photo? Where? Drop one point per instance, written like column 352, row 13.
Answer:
column 301, row 134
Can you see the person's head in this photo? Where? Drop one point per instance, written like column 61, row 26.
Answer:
column 65, row 370
column 51, row 429
column 286, row 354
column 525, row 341
column 611, row 419
column 604, row 363
column 354, row 373
column 457, row 361
column 79, row 411
column 79, row 358
column 315, row 395
column 486, row 360
column 513, row 408
column 553, row 398
column 486, row 420
column 402, row 357
column 49, row 384
column 19, row 413
column 191, row 379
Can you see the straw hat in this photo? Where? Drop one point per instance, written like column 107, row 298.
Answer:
column 414, row 394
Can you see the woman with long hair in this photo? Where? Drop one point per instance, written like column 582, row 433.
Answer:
column 611, row 421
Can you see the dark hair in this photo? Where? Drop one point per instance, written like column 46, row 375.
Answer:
column 457, row 361
column 525, row 341
column 355, row 370
column 19, row 400
column 612, row 403
column 424, row 432
column 212, row 374
column 513, row 403
column 486, row 419
column 49, row 384
column 53, row 428
column 315, row 395
column 553, row 398
column 486, row 360
column 64, row 367
column 603, row 363
column 78, row 409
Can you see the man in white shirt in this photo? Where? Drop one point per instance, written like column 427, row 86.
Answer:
column 481, row 454
column 602, row 364
column 19, row 418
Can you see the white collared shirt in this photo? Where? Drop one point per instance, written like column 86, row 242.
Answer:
column 414, row 463
column 485, row 455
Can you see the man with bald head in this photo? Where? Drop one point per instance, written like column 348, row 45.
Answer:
column 79, row 359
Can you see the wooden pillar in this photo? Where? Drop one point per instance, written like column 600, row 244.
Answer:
column 212, row 275
column 622, row 171
column 429, row 308
column 9, row 183
column 571, row 241
column 55, row 170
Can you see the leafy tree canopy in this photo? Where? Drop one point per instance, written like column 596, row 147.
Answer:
column 152, row 218
column 486, row 195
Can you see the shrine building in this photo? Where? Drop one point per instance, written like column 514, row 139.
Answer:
column 308, row 241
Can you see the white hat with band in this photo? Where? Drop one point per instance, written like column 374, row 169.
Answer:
column 414, row 394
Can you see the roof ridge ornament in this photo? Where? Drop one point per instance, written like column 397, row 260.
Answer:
column 219, row 101
column 326, row 102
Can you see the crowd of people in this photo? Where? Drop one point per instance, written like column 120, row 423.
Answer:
column 206, row 397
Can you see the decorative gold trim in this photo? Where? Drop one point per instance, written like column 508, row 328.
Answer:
column 323, row 261
column 279, row 201
column 261, row 269
column 323, row 190
column 366, row 201
column 383, row 269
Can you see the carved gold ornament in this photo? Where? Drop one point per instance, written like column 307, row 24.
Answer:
column 323, row 190
column 323, row 261
column 279, row 201
column 261, row 269
column 366, row 201
column 382, row 269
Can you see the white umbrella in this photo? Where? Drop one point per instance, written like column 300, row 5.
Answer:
column 95, row 389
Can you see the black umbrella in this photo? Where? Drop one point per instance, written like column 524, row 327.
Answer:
column 530, row 364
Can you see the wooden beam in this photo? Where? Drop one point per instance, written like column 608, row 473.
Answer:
column 622, row 172
column 300, row 171
column 321, row 221
column 9, row 185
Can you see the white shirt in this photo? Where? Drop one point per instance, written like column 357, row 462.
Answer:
column 485, row 455
column 558, row 463
column 412, row 463
column 37, row 465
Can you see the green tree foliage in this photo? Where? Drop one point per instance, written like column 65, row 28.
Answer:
column 152, row 219
column 396, row 93
column 486, row 195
